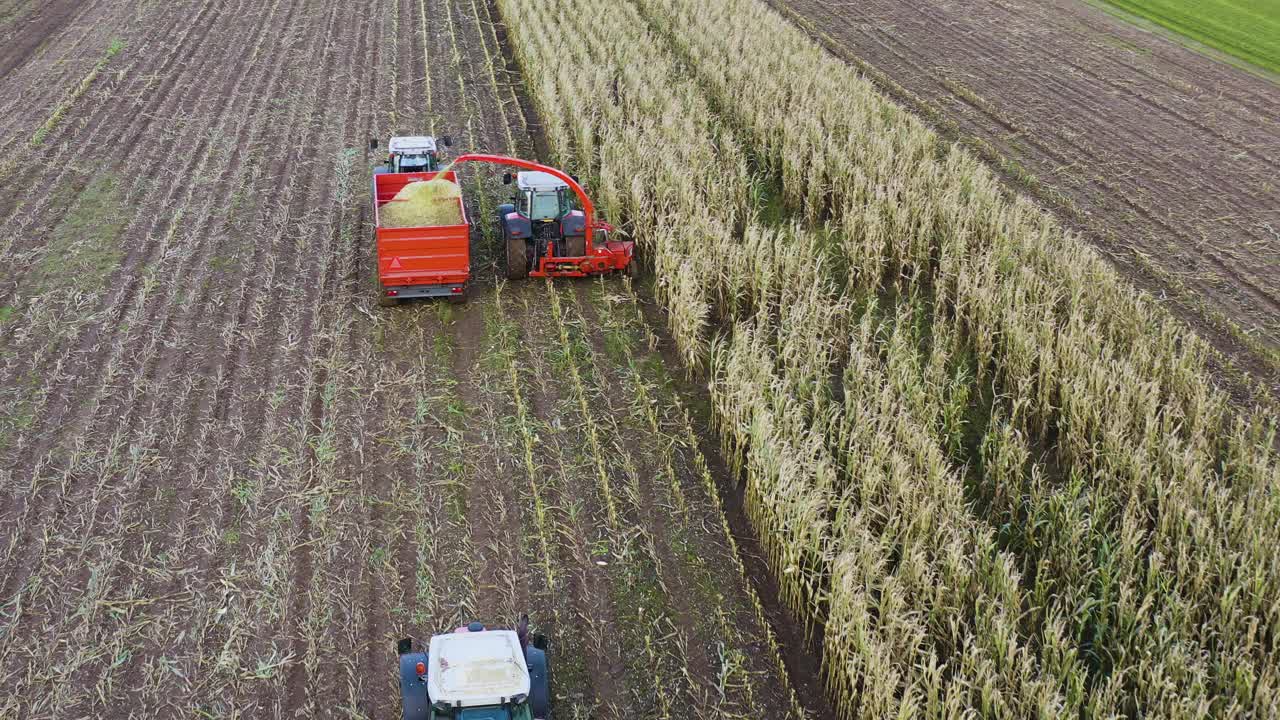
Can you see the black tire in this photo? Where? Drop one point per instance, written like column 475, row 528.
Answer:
column 517, row 259
column 462, row 297
column 539, row 682
column 384, row 301
column 414, row 698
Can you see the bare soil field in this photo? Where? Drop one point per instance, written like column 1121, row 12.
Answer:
column 229, row 482
column 1163, row 158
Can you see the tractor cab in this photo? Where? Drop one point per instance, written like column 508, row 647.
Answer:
column 541, row 197
column 418, row 153
column 475, row 674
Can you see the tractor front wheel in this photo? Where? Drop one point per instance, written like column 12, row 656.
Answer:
column 517, row 260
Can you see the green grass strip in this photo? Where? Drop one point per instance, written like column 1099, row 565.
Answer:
column 1245, row 29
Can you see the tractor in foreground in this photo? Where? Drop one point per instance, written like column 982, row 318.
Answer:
column 474, row 673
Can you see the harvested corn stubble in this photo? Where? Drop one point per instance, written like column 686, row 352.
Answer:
column 424, row 204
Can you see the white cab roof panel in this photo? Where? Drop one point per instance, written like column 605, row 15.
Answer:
column 412, row 144
column 480, row 668
column 539, row 181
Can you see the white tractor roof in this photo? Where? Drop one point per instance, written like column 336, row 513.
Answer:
column 412, row 144
column 539, row 181
column 477, row 668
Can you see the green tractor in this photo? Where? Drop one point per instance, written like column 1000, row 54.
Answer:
column 474, row 673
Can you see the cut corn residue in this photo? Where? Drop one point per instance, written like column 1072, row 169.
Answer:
column 423, row 204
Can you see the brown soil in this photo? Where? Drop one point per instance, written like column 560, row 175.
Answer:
column 1165, row 159
column 228, row 481
column 28, row 28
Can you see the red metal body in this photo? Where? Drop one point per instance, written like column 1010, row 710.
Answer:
column 600, row 258
column 432, row 260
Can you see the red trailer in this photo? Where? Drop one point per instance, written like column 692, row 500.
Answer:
column 417, row 262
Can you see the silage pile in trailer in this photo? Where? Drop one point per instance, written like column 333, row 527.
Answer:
column 424, row 204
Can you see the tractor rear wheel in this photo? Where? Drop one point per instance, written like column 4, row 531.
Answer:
column 517, row 260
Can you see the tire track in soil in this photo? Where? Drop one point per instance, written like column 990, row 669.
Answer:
column 490, row 493
column 407, row 93
column 681, row 592
column 497, row 519
column 404, row 91
column 650, row 510
column 378, row 616
column 573, row 502
column 376, row 486
column 411, row 497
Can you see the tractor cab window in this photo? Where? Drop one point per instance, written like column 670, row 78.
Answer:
column 546, row 206
column 415, row 163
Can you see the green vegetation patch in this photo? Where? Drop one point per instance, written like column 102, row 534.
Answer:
column 86, row 244
column 1246, row 29
column 75, row 93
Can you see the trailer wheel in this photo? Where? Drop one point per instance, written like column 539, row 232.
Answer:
column 460, row 298
column 517, row 261
column 384, row 301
